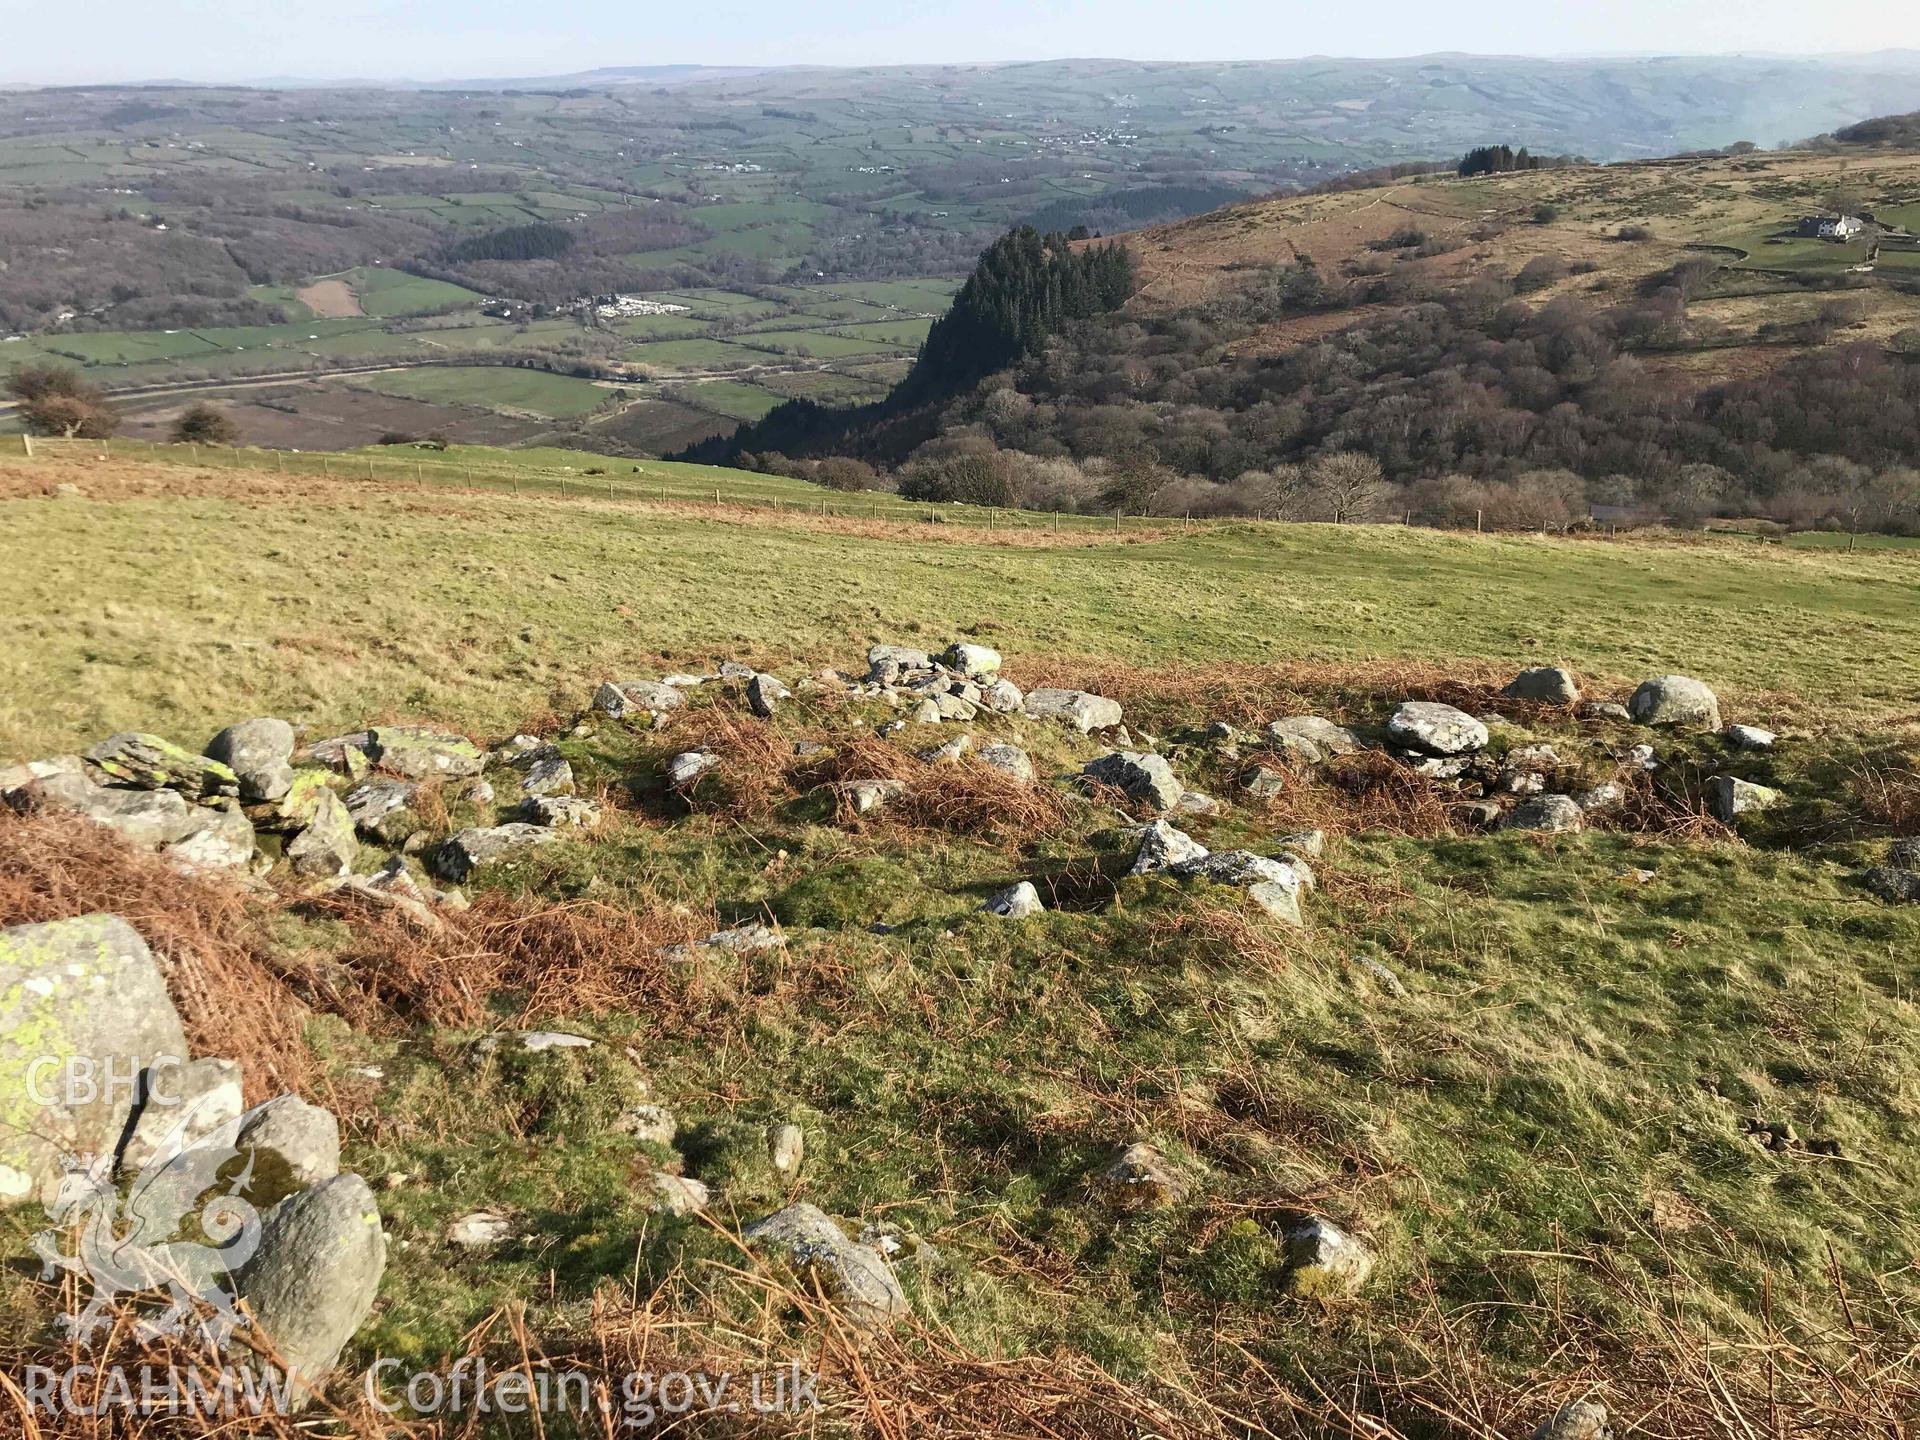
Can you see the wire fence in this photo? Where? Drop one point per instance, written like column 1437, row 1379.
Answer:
column 596, row 478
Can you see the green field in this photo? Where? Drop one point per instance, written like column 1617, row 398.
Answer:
column 387, row 294
column 1522, row 1068
column 742, row 402
column 493, row 387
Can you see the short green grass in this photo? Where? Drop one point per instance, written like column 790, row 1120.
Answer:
column 509, row 389
column 103, row 640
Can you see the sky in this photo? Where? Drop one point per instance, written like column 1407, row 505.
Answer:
column 120, row 40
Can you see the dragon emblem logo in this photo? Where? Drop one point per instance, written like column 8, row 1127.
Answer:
column 178, row 1231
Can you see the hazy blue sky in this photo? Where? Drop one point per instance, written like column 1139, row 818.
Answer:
column 440, row 39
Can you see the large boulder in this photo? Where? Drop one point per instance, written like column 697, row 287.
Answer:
column 976, row 662
column 1894, row 885
column 1547, row 684
column 468, row 852
column 1141, row 775
column 419, row 753
column 260, row 754
column 1435, row 729
column 382, row 809
column 183, row 1103
column 1675, row 700
column 1312, row 737
column 765, row 693
column 1547, row 814
column 1325, row 1262
column 302, row 1140
column 637, row 699
column 326, row 846
column 146, row 819
column 84, row 1010
column 854, row 1276
column 1730, row 798
column 545, row 772
column 889, row 664
column 1010, row 760
column 1273, row 885
column 1084, row 712
column 147, row 762
column 1162, row 847
column 219, row 837
column 315, row 1275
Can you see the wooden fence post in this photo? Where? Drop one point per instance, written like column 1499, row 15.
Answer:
column 26, row 445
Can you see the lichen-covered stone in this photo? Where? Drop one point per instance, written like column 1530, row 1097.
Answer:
column 467, row 853
column 84, row 1009
column 418, row 753
column 326, row 846
column 854, row 1276
column 634, row 699
column 1324, row 1262
column 1084, row 712
column 1675, row 700
column 147, row 762
column 1436, row 729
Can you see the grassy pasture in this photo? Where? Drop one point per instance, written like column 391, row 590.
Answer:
column 493, row 387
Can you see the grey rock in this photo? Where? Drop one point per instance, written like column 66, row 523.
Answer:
column 953, row 707
column 1750, row 737
column 12, row 777
column 1436, row 729
column 1234, row 867
column 1894, row 885
column 739, row 940
column 1643, row 758
column 1325, row 1262
column 688, row 766
column 1003, row 697
column 88, row 993
column 305, row 1138
column 558, row 812
column 854, row 1276
column 1675, row 700
column 480, row 1230
column 1140, row 775
column 1320, row 733
column 1194, row 802
column 382, row 809
column 343, row 754
column 1016, row 902
column 1280, row 899
column 419, row 753
column 547, row 775
column 632, row 699
column 764, row 694
column 1436, row 767
column 1009, row 760
column 1905, row 853
column 1525, row 769
column 327, row 845
column 1730, row 798
column 1478, row 814
column 147, row 762
column 1162, row 847
column 316, row 1274
column 1581, row 1420
column 653, row 1124
column 1084, row 712
column 220, row 837
column 1548, row 814
column 469, row 852
column 1546, row 684
column 260, row 754
column 888, row 664
column 949, row 753
column 975, row 661
column 184, row 1102
column 1308, row 844
column 786, row 1148
column 1138, row 1179
column 869, row 795
column 1263, row 782
column 676, row 1194
column 1604, row 710
column 1381, row 975
column 1607, row 795
column 736, row 670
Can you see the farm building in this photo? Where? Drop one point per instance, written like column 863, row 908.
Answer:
column 1831, row 227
